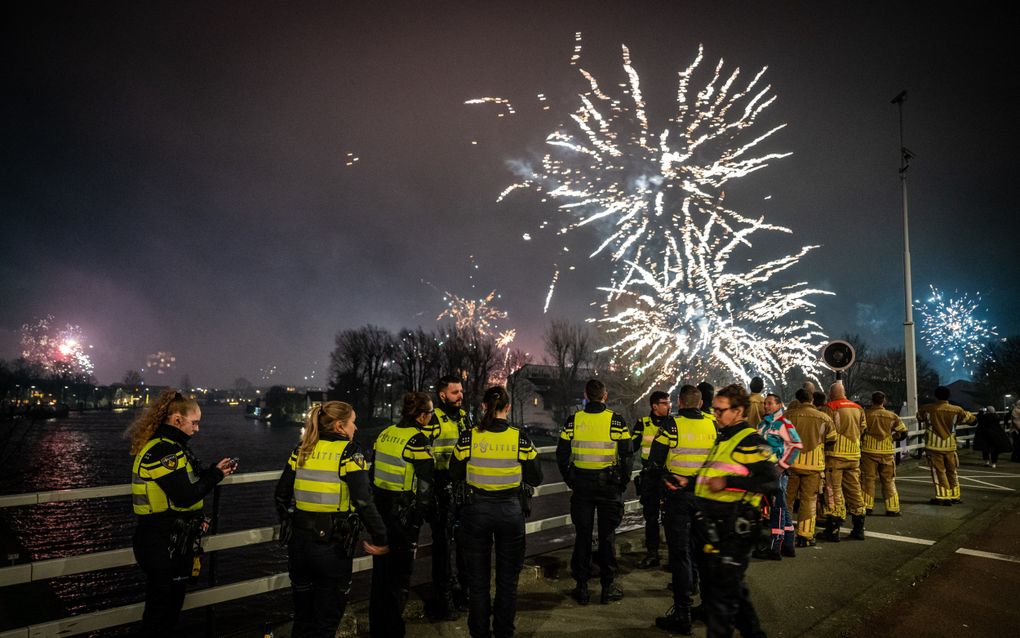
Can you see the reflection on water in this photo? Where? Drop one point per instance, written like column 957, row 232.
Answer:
column 87, row 450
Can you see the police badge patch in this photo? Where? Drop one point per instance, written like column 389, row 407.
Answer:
column 359, row 459
column 169, row 461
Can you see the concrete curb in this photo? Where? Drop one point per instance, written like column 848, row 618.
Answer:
column 867, row 606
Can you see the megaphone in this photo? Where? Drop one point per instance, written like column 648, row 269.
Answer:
column 838, row 355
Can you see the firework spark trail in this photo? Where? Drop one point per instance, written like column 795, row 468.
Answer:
column 953, row 331
column 674, row 306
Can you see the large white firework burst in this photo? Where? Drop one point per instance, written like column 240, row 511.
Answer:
column 953, row 330
column 676, row 308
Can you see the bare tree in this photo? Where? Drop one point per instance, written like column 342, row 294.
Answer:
column 516, row 383
column 133, row 378
column 569, row 347
column 417, row 358
column 360, row 366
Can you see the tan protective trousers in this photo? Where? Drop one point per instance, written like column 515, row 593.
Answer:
column 804, row 486
column 843, row 487
column 881, row 466
column 943, row 474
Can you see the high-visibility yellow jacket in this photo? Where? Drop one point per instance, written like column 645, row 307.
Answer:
column 593, row 441
column 159, row 457
column 444, row 430
column 320, row 482
column 396, row 448
column 729, row 458
column 494, row 458
column 689, row 441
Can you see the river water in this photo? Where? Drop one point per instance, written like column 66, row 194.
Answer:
column 87, row 450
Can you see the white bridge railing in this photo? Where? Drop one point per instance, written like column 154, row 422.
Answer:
column 116, row 616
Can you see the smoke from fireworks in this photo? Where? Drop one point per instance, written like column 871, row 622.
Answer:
column 953, row 331
column 674, row 308
column 61, row 351
column 161, row 362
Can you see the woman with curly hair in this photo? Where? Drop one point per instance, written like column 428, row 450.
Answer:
column 167, row 487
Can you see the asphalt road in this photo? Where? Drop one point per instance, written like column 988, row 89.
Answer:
column 910, row 570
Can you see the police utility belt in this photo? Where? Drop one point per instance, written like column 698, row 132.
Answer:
column 739, row 520
column 603, row 478
column 464, row 494
column 340, row 528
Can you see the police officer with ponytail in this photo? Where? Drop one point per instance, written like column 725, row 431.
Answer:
column 495, row 461
column 325, row 493
column 403, row 478
column 168, row 484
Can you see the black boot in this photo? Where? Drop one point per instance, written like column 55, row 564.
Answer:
column 611, row 593
column 857, row 533
column 581, row 593
column 675, row 622
column 831, row 533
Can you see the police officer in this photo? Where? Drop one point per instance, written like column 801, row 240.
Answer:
column 168, row 485
column 645, row 431
column 843, row 466
column 446, row 426
column 940, row 419
column 729, row 487
column 595, row 458
column 878, row 448
column 402, row 476
column 815, row 429
column 678, row 452
column 495, row 461
column 326, row 482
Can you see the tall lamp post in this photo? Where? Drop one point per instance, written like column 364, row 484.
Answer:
column 909, row 346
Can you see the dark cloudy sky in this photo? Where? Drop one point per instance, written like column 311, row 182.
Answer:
column 175, row 178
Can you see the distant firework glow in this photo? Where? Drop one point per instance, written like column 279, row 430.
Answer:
column 953, row 330
column 675, row 308
column 60, row 351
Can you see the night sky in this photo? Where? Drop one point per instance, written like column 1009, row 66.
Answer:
column 175, row 174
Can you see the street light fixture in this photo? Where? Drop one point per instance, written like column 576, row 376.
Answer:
column 909, row 345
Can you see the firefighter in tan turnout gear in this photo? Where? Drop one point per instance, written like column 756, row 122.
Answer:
column 878, row 449
column 842, row 466
column 816, row 429
column 940, row 419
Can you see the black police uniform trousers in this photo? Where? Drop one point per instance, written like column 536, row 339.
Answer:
column 678, row 519
column 391, row 573
column 595, row 491
column 445, row 552
column 724, row 593
column 484, row 522
column 320, row 579
column 651, row 509
column 166, row 579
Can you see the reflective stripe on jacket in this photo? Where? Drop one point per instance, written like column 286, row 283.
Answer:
column 147, row 497
column 720, row 462
column 317, row 484
column 592, row 448
column 391, row 470
column 494, row 463
column 695, row 439
column 445, row 436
